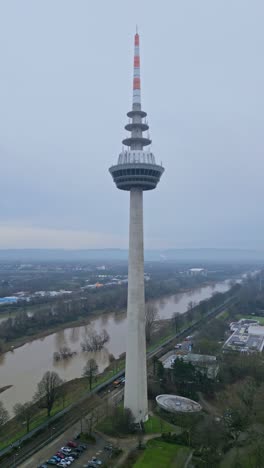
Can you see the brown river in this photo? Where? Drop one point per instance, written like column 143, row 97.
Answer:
column 24, row 367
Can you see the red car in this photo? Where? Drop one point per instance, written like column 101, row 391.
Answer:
column 60, row 454
column 72, row 444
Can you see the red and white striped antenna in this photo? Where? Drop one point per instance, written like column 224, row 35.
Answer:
column 136, row 77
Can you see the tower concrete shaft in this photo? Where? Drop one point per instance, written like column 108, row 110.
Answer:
column 136, row 171
column 136, row 369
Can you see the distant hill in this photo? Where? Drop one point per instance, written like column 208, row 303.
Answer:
column 104, row 255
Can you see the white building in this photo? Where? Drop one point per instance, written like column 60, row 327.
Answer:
column 197, row 272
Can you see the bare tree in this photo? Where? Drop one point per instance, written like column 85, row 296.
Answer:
column 4, row 416
column 91, row 421
column 151, row 314
column 48, row 390
column 90, row 370
column 95, row 341
column 62, row 393
column 24, row 412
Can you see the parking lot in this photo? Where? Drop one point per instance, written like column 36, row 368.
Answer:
column 93, row 450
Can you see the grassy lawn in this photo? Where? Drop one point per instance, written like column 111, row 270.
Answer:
column 254, row 317
column 223, row 315
column 159, row 454
column 155, row 425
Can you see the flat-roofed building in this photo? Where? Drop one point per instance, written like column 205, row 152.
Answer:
column 247, row 337
column 206, row 364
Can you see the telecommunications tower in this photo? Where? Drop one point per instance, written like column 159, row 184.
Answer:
column 135, row 172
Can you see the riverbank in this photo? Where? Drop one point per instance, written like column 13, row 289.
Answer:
column 49, row 331
column 82, row 321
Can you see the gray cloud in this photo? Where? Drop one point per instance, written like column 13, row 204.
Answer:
column 65, row 88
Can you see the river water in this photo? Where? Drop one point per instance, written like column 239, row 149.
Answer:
column 24, row 367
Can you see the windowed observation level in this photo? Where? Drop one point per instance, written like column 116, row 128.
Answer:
column 136, row 167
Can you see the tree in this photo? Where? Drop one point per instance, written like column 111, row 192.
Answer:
column 90, row 370
column 4, row 416
column 209, row 436
column 206, row 346
column 24, row 412
column 62, row 393
column 48, row 390
column 122, row 420
column 2, row 346
column 155, row 361
column 177, row 321
column 95, row 341
column 236, row 412
column 151, row 314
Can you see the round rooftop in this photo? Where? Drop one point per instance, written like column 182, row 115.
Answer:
column 177, row 404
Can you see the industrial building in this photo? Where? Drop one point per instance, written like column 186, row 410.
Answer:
column 247, row 337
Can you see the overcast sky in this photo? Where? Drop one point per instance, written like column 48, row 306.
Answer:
column 65, row 88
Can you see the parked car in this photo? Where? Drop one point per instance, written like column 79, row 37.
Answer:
column 51, row 461
column 79, row 450
column 72, row 444
column 178, row 346
column 65, row 462
column 108, row 447
column 60, row 454
column 83, row 446
column 65, row 450
column 69, row 458
column 97, row 461
column 188, row 338
column 44, row 465
column 57, row 459
column 75, row 455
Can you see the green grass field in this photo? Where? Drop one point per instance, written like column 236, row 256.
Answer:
column 155, row 425
column 252, row 317
column 159, row 454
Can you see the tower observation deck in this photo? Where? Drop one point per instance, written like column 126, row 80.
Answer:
column 136, row 171
column 136, row 167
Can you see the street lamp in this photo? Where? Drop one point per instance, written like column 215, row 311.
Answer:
column 15, row 458
column 52, row 429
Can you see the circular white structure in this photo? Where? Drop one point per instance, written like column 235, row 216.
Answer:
column 178, row 404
